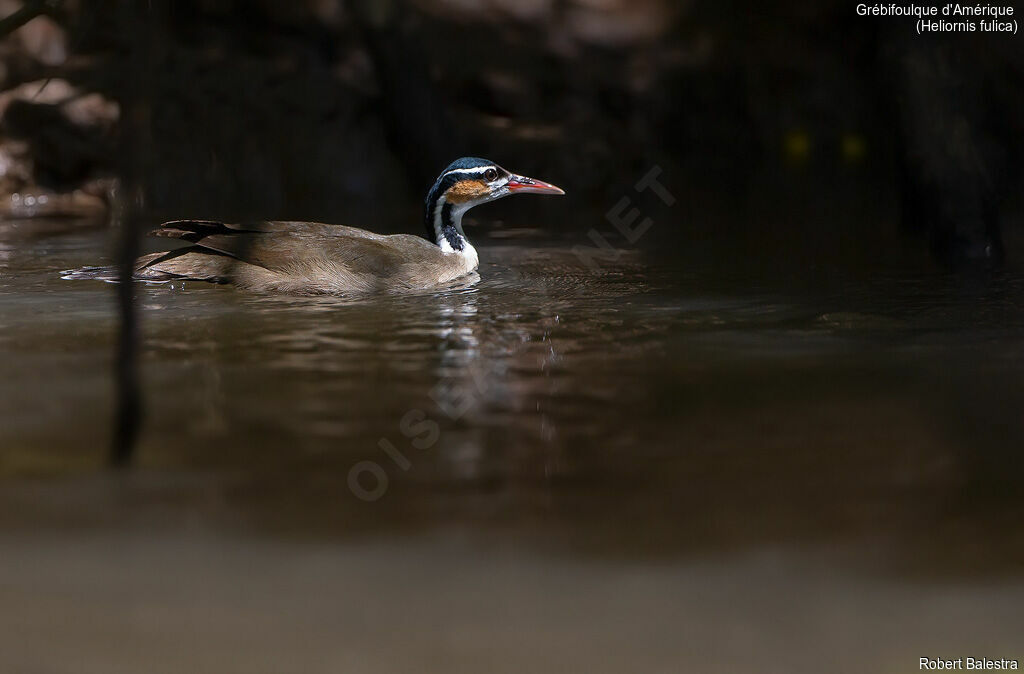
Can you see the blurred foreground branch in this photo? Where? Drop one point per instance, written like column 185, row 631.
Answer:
column 28, row 11
column 137, row 173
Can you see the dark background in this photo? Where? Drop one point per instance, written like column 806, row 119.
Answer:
column 803, row 128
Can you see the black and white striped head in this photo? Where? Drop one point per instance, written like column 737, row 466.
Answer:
column 468, row 182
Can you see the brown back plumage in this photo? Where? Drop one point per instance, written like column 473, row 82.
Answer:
column 301, row 257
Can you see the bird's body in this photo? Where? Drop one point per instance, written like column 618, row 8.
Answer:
column 316, row 258
column 303, row 257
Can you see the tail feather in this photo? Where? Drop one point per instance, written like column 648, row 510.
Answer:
column 108, row 274
column 189, row 230
column 161, row 268
column 212, row 259
column 112, row 274
column 194, row 230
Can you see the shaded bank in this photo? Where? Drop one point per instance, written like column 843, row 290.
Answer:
column 313, row 110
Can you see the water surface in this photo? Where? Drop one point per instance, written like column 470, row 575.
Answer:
column 589, row 424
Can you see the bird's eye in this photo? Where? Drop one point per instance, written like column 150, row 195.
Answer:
column 491, row 175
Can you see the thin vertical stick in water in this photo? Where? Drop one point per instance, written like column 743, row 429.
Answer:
column 126, row 372
column 131, row 204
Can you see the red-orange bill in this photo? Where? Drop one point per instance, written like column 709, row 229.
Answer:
column 522, row 184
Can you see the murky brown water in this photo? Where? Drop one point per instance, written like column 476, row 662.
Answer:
column 768, row 476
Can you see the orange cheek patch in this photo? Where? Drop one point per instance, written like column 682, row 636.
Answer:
column 465, row 190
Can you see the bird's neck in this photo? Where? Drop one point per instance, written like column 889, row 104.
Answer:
column 444, row 225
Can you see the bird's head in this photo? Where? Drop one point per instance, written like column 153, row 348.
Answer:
column 466, row 183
